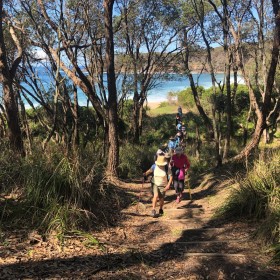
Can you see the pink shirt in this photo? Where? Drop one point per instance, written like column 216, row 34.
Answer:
column 180, row 162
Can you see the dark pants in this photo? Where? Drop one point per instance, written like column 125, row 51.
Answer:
column 179, row 186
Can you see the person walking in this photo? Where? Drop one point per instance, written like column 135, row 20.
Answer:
column 178, row 119
column 180, row 112
column 179, row 166
column 161, row 181
column 179, row 126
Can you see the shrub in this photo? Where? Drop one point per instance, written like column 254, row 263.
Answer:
column 135, row 159
column 185, row 97
column 258, row 197
column 58, row 193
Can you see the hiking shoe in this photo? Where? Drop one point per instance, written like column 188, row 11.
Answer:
column 154, row 213
column 178, row 199
column 160, row 212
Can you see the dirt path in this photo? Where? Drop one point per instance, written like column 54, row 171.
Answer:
column 187, row 242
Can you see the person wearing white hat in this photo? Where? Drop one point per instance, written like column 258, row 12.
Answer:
column 180, row 165
column 162, row 179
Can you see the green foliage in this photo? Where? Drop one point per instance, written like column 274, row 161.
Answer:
column 159, row 130
column 258, row 197
column 185, row 97
column 135, row 159
column 10, row 168
column 242, row 101
column 87, row 121
column 57, row 192
column 163, row 104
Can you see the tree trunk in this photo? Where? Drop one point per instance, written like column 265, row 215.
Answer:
column 113, row 155
column 11, row 108
column 136, row 111
column 75, row 113
column 262, row 115
column 199, row 107
column 26, row 126
column 228, row 89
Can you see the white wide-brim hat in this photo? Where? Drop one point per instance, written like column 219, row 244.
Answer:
column 161, row 161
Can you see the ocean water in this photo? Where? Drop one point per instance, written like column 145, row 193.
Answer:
column 179, row 83
column 174, row 83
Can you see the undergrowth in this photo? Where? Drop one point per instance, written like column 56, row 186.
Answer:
column 57, row 193
column 257, row 198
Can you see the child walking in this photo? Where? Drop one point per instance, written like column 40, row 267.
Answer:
column 161, row 181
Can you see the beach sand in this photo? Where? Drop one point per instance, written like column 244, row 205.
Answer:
column 153, row 105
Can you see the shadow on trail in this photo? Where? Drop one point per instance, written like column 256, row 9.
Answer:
column 146, row 258
column 135, row 261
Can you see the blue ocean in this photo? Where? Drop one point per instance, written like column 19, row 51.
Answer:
column 173, row 83
column 179, row 83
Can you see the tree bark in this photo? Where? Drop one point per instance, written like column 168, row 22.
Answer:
column 113, row 155
column 199, row 107
column 227, row 76
column 263, row 113
column 11, row 108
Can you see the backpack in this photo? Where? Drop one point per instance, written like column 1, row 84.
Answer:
column 172, row 144
column 179, row 126
column 177, row 141
column 153, row 168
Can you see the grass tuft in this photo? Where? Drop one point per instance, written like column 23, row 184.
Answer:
column 257, row 198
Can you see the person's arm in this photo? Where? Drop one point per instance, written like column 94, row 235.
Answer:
column 169, row 183
column 148, row 172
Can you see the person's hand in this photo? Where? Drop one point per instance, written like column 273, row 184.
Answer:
column 145, row 177
column 186, row 171
column 167, row 188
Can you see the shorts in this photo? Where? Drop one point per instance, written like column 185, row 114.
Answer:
column 179, row 185
column 159, row 191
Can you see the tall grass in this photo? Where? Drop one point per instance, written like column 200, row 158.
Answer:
column 257, row 197
column 54, row 193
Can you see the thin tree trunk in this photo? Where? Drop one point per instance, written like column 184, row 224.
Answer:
column 216, row 123
column 26, row 126
column 136, row 108
column 199, row 107
column 75, row 113
column 113, row 155
column 228, row 89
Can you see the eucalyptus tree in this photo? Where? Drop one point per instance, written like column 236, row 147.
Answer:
column 10, row 58
column 147, row 40
column 263, row 22
column 261, row 106
column 79, row 38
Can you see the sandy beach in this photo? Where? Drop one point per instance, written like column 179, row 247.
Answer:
column 153, row 105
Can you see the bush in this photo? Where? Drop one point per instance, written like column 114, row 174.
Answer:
column 258, row 197
column 57, row 192
column 135, row 159
column 185, row 97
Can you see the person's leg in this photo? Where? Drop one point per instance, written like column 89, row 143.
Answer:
column 154, row 204
column 152, row 191
column 177, row 190
column 154, row 201
column 181, row 188
column 161, row 200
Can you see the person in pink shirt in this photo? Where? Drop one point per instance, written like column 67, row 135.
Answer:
column 179, row 166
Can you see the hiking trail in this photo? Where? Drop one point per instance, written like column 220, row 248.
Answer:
column 187, row 242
